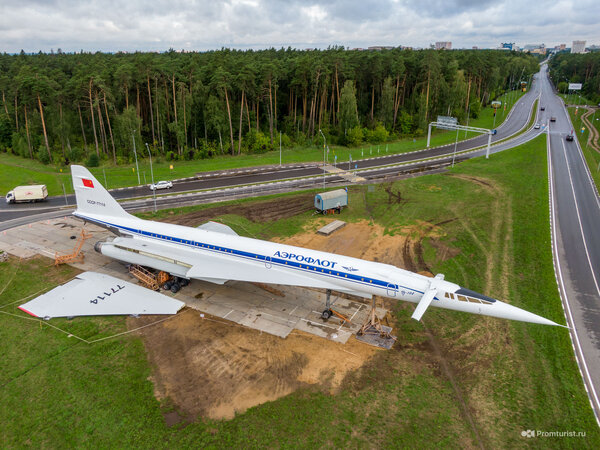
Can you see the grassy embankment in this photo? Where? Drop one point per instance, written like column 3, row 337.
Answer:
column 490, row 380
column 575, row 99
column 16, row 171
column 592, row 157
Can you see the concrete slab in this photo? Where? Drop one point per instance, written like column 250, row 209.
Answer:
column 331, row 227
column 273, row 309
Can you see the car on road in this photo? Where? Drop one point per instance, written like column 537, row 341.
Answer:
column 552, row 119
column 537, row 126
column 542, row 108
column 570, row 137
column 161, row 185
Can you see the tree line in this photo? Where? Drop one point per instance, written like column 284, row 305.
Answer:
column 194, row 105
column 581, row 68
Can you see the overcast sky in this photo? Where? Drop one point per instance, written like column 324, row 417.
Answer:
column 157, row 25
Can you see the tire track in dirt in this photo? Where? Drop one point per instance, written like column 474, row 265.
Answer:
column 499, row 262
column 265, row 211
column 497, row 253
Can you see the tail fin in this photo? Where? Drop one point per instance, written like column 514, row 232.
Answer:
column 91, row 196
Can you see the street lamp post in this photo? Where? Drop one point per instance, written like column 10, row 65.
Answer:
column 135, row 154
column 324, row 144
column 455, row 144
column 152, row 176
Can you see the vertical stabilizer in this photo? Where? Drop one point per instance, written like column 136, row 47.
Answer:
column 91, row 196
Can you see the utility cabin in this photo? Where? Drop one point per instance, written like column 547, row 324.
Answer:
column 332, row 201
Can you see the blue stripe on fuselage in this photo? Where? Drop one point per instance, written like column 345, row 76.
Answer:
column 365, row 281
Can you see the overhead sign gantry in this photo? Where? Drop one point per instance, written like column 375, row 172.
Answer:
column 446, row 124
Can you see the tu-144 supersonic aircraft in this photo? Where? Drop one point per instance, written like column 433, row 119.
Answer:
column 214, row 252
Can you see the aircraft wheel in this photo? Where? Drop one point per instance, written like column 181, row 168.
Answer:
column 167, row 286
column 326, row 314
column 175, row 288
column 184, row 282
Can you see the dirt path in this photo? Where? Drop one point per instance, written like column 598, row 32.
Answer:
column 593, row 135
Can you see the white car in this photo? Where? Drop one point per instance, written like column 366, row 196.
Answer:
column 537, row 126
column 161, row 185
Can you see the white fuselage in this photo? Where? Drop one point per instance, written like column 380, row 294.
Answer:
column 339, row 272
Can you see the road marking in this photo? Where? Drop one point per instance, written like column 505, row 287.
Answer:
column 592, row 396
column 579, row 219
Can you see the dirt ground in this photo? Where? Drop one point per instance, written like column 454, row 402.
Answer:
column 209, row 367
column 266, row 211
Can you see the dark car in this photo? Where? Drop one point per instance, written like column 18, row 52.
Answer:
column 543, row 108
column 552, row 119
column 570, row 137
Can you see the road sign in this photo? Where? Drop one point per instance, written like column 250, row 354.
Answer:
column 496, row 104
column 574, row 86
column 450, row 121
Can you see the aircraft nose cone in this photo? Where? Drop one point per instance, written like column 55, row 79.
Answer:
column 503, row 310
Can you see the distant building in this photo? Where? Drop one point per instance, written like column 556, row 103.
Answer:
column 562, row 47
column 578, row 47
column 475, row 47
column 593, row 48
column 443, row 45
column 507, row 45
column 539, row 49
column 381, row 47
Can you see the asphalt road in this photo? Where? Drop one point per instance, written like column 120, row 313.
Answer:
column 575, row 216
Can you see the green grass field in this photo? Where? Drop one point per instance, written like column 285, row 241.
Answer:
column 15, row 171
column 59, row 392
column 575, row 99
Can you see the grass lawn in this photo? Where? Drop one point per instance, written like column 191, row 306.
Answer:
column 575, row 99
column 499, row 377
column 15, row 171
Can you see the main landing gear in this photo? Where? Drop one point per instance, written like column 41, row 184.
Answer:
column 175, row 284
column 327, row 313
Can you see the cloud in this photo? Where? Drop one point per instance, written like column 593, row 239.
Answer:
column 110, row 25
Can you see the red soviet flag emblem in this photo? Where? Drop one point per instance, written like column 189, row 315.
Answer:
column 87, row 183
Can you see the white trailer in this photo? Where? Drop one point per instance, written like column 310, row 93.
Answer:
column 33, row 193
column 332, row 201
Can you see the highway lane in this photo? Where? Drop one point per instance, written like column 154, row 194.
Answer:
column 576, row 242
